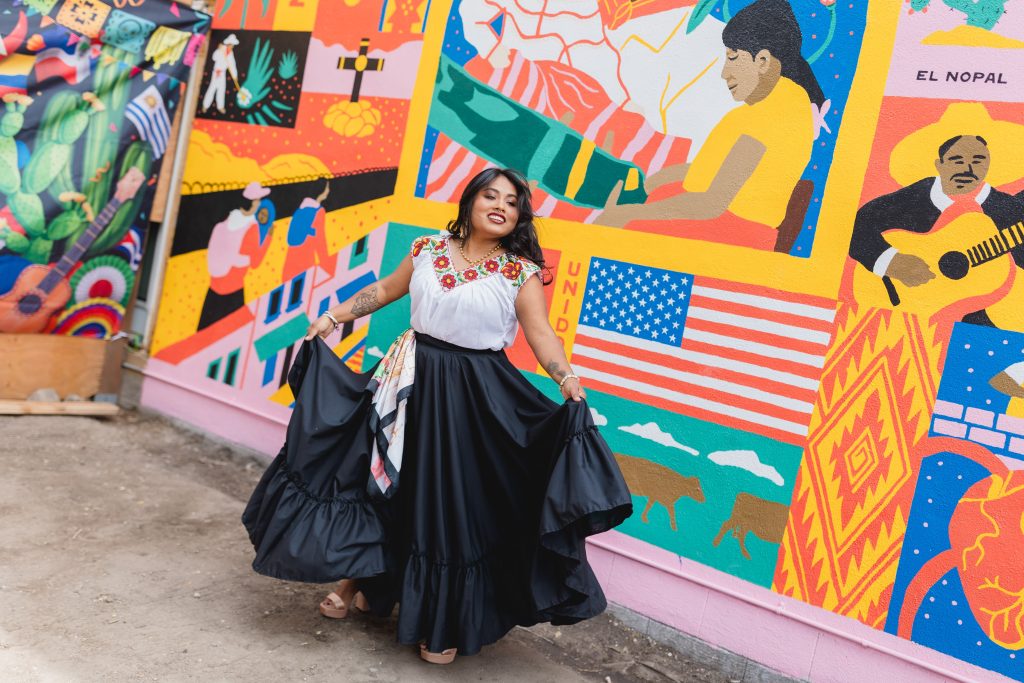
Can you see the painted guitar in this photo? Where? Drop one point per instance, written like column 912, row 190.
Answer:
column 41, row 291
column 971, row 261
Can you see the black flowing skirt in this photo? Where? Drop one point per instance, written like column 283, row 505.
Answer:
column 498, row 489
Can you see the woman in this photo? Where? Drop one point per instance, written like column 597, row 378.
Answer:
column 443, row 480
column 737, row 188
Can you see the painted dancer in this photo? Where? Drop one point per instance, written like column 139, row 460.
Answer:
column 235, row 247
column 223, row 60
column 443, row 480
column 738, row 186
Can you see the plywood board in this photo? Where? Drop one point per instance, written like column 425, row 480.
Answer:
column 69, row 365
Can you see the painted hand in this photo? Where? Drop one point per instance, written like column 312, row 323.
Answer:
column 613, row 215
column 910, row 270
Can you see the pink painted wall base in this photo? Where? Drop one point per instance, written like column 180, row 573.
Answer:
column 781, row 633
column 262, row 433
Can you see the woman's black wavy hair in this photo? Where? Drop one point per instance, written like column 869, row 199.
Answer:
column 522, row 241
column 771, row 25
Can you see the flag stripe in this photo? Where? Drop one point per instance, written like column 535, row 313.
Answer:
column 745, row 345
column 138, row 117
column 714, row 417
column 807, row 372
column 751, row 323
column 773, row 295
column 683, row 379
column 611, row 341
column 743, row 304
column 714, row 407
column 146, row 130
column 760, row 340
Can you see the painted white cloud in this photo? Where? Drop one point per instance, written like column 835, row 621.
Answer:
column 375, row 352
column 747, row 460
column 653, row 432
column 599, row 419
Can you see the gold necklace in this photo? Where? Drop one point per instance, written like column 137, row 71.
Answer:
column 483, row 258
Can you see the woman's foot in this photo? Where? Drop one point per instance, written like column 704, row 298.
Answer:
column 445, row 657
column 337, row 602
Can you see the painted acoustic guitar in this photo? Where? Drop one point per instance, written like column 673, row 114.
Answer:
column 971, row 260
column 41, row 291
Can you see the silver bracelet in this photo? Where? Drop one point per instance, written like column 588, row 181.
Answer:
column 332, row 318
column 567, row 377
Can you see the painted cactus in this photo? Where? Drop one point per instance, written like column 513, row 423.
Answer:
column 10, row 125
column 67, row 118
column 981, row 13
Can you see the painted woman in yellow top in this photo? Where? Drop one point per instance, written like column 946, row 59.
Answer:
column 738, row 186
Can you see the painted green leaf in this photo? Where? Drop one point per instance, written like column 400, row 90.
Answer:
column 700, row 12
column 288, row 65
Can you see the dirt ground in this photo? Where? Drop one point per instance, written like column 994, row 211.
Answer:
column 122, row 558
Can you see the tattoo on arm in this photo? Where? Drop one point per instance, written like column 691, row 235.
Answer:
column 555, row 370
column 366, row 302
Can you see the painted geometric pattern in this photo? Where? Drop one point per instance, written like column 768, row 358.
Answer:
column 853, row 492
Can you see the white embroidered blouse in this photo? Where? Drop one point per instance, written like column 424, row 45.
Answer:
column 472, row 308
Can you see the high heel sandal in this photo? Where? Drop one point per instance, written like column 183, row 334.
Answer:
column 445, row 657
column 334, row 606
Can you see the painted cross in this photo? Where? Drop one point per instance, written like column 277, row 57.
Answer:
column 359, row 64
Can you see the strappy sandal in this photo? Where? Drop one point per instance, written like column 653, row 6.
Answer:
column 335, row 607
column 445, row 657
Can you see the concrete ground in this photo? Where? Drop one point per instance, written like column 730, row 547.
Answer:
column 122, row 558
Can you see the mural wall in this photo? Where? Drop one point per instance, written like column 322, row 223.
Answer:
column 785, row 235
column 89, row 90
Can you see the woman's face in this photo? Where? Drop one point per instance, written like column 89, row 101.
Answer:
column 742, row 73
column 495, row 209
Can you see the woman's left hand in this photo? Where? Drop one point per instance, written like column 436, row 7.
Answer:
column 573, row 390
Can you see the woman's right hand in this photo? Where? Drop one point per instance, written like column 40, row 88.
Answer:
column 613, row 215
column 321, row 327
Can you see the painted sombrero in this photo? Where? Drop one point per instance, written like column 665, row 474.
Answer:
column 914, row 156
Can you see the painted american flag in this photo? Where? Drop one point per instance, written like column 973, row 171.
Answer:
column 740, row 355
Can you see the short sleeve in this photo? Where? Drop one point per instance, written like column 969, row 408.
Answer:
column 518, row 270
column 419, row 245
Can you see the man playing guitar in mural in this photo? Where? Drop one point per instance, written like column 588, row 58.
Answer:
column 950, row 244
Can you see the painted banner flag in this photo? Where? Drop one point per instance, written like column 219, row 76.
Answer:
column 149, row 115
column 71, row 60
column 738, row 355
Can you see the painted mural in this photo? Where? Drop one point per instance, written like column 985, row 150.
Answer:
column 301, row 114
column 669, row 133
column 785, row 237
column 89, row 92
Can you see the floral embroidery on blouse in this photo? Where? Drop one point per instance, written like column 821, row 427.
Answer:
column 418, row 244
column 512, row 270
column 509, row 265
